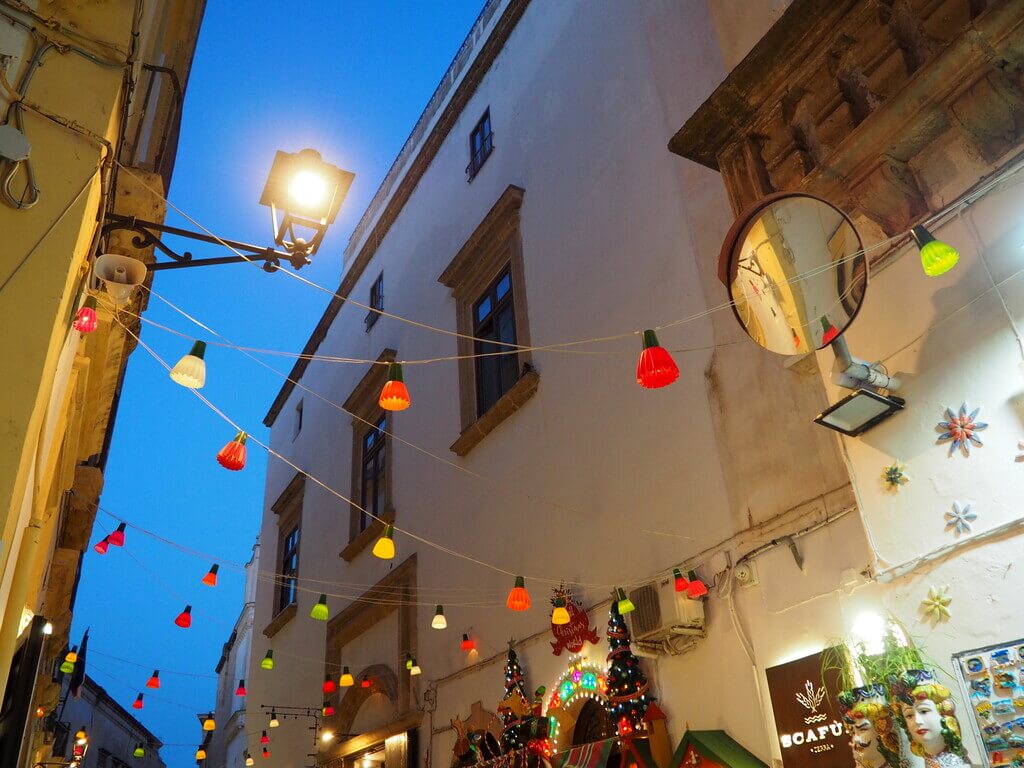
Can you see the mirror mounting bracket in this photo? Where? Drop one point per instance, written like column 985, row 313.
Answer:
column 853, row 373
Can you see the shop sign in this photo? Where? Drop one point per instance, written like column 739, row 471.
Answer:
column 810, row 731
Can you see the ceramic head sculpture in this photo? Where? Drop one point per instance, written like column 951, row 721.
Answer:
column 875, row 741
column 928, row 715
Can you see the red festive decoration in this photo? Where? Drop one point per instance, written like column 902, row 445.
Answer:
column 394, row 396
column 264, row 739
column 266, row 752
column 681, row 581
column 102, row 545
column 365, row 682
column 329, row 686
column 85, row 319
column 518, row 597
column 117, row 537
column 696, row 587
column 137, row 704
column 240, row 690
column 577, row 631
column 154, row 679
column 328, row 709
column 232, row 455
column 184, row 619
column 468, row 644
column 656, row 368
column 210, row 579
column 828, row 332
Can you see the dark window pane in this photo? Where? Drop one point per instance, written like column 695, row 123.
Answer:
column 483, row 309
column 504, row 283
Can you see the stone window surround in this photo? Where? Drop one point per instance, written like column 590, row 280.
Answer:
column 288, row 509
column 362, row 402
column 495, row 244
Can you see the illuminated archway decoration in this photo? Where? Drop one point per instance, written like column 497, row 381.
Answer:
column 581, row 681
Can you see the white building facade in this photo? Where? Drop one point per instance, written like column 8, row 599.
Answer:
column 536, row 203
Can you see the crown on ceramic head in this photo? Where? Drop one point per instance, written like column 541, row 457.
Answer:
column 873, row 693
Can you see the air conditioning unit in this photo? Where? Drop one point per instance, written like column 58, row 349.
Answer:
column 662, row 612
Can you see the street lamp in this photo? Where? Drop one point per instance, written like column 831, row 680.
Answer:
column 304, row 194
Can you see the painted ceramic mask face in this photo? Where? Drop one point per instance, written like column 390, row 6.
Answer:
column 865, row 744
column 925, row 725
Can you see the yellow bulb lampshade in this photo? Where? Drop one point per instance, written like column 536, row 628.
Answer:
column 937, row 257
column 439, row 622
column 560, row 615
column 625, row 605
column 320, row 612
column 200, row 754
column 190, row 371
column 209, row 724
column 346, row 680
column 140, row 751
column 385, row 546
column 268, row 661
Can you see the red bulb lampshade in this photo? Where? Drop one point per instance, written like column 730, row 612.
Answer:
column 184, row 619
column 681, row 581
column 154, row 679
column 264, row 739
column 365, row 683
column 266, row 752
column 210, row 579
column 394, row 396
column 232, row 455
column 117, row 537
column 138, row 702
column 85, row 319
column 468, row 644
column 697, row 588
column 655, row 368
column 518, row 598
column 828, row 332
column 328, row 709
column 240, row 690
column 329, row 686
column 102, row 545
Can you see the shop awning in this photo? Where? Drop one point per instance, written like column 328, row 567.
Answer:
column 717, row 746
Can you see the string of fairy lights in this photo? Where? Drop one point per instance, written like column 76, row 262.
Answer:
column 656, row 368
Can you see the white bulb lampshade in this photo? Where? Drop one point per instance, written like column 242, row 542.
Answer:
column 191, row 369
column 439, row 622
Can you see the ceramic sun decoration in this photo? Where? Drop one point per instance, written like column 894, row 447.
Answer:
column 928, row 714
column 872, row 727
column 961, row 428
column 895, row 475
column 960, row 519
column 936, row 605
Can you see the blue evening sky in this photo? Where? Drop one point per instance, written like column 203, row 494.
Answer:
column 349, row 78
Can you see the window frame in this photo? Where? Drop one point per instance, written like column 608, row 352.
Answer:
column 288, row 509
column 376, row 301
column 377, row 453
column 288, row 577
column 478, row 156
column 299, row 408
column 491, row 321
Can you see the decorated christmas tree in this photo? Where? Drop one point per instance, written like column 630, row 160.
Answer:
column 515, row 707
column 628, row 687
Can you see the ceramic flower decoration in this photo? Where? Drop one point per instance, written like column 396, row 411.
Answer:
column 961, row 428
column 895, row 475
column 960, row 519
column 936, row 605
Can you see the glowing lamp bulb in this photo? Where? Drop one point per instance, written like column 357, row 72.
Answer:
column 67, row 667
column 655, row 368
column 395, row 395
column 200, row 754
column 102, row 546
column 190, row 371
column 184, row 619
column 518, row 597
column 327, row 736
column 329, row 686
column 72, row 655
column 232, row 455
column 415, row 668
column 624, row 604
column 209, row 724
column 268, row 661
column 40, row 712
column 264, row 739
column 210, row 579
column 137, row 704
column 468, row 644
column 140, row 751
column 81, row 737
column 937, row 257
column 240, row 690
column 385, row 546
column 274, row 722
column 365, row 683
column 408, row 661
column 346, row 681
column 439, row 621
column 320, row 611
column 696, row 588
column 308, row 189
column 154, row 679
column 248, row 759
column 680, row 580
column 266, row 752
column 85, row 319
column 560, row 615
column 328, row 710
column 117, row 537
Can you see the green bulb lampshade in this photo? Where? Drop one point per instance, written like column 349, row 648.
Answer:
column 408, row 661
column 937, row 257
column 67, row 667
column 268, row 661
column 625, row 605
column 320, row 612
column 140, row 751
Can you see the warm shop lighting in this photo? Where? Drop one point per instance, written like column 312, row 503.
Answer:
column 655, row 368
column 869, row 630
column 48, row 628
column 232, row 455
column 184, row 619
column 395, row 395
column 439, row 621
column 86, row 320
column 210, row 579
column 385, row 546
column 468, row 644
column 154, row 679
column 937, row 257
column 117, row 537
column 190, row 370
column 560, row 615
column 240, row 690
column 346, row 681
column 320, row 611
column 624, row 604
column 268, row 661
column 518, row 597
column 137, row 704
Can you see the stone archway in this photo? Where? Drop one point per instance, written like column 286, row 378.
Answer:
column 382, row 680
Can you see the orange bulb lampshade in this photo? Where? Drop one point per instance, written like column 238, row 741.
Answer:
column 117, row 537
column 210, row 579
column 184, row 619
column 266, row 752
column 394, row 396
column 518, row 598
column 232, row 455
column 102, row 546
column 154, row 679
column 468, row 643
column 656, row 368
column 200, row 754
column 137, row 704
column 85, row 319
